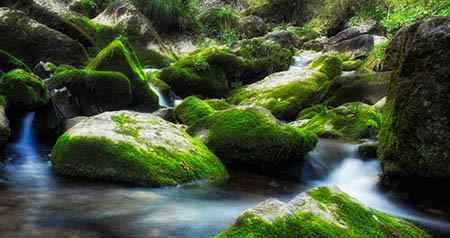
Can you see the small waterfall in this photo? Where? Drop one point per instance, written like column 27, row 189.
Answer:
column 165, row 98
column 304, row 59
column 359, row 178
column 25, row 144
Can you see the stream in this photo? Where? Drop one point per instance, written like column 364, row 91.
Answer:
column 35, row 203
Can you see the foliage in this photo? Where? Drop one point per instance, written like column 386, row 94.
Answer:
column 221, row 23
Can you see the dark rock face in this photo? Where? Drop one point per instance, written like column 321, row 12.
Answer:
column 368, row 88
column 415, row 141
column 252, row 26
column 284, row 38
column 368, row 27
column 33, row 42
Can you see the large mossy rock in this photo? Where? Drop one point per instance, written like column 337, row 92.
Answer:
column 95, row 91
column 119, row 57
column 33, row 42
column 351, row 121
column 133, row 147
column 324, row 212
column 286, row 93
column 24, row 91
column 252, row 137
column 368, row 88
column 206, row 72
column 415, row 140
column 191, row 110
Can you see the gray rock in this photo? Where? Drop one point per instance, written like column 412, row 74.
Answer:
column 252, row 26
column 367, row 27
column 5, row 131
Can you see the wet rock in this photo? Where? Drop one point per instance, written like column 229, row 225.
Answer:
column 250, row 137
column 415, row 140
column 368, row 150
column 5, row 131
column 166, row 114
column 136, row 148
column 368, row 88
column 43, row 70
column 320, row 212
column 284, row 38
column 43, row 43
column 252, row 26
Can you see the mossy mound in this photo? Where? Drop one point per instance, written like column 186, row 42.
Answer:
column 263, row 57
column 251, row 136
column 8, row 62
column 192, row 109
column 220, row 21
column 119, row 57
column 218, row 104
column 135, row 148
column 23, row 90
column 95, row 91
column 285, row 94
column 320, row 212
column 349, row 121
column 207, row 72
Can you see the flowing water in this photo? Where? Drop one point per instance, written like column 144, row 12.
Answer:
column 35, row 203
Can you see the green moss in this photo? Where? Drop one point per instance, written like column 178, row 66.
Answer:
column 376, row 57
column 306, row 33
column 206, row 72
column 219, row 21
column 191, row 110
column 349, row 121
column 9, row 62
column 359, row 222
column 118, row 56
column 263, row 58
column 351, row 65
column 252, row 136
column 3, row 100
column 153, row 58
column 103, row 90
column 218, row 104
column 23, row 90
column 101, row 158
column 285, row 97
column 125, row 125
column 330, row 64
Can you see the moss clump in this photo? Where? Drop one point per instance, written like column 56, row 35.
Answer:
column 306, row 33
column 285, row 94
column 349, row 121
column 192, row 109
column 252, row 136
column 96, row 91
column 218, row 104
column 9, row 62
column 23, row 90
column 263, row 58
column 277, row 11
column 331, row 65
column 207, row 72
column 347, row 218
column 118, row 56
column 134, row 148
column 219, row 22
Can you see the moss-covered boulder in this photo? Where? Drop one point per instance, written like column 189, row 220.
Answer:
column 95, row 91
column 42, row 43
column 220, row 21
column 207, row 72
column 5, row 131
column 277, row 11
column 263, row 57
column 24, row 91
column 9, row 62
column 119, row 57
column 415, row 139
column 368, row 88
column 324, row 212
column 133, row 147
column 251, row 136
column 286, row 93
column 192, row 109
column 349, row 121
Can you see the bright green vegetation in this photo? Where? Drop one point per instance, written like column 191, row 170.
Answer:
column 306, row 32
column 285, row 94
column 23, row 90
column 263, row 58
column 104, row 90
column 349, row 219
column 118, row 56
column 218, row 104
column 9, row 62
column 221, row 23
column 376, row 56
column 349, row 121
column 170, row 15
column 251, row 136
column 139, row 149
column 206, row 72
column 192, row 109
